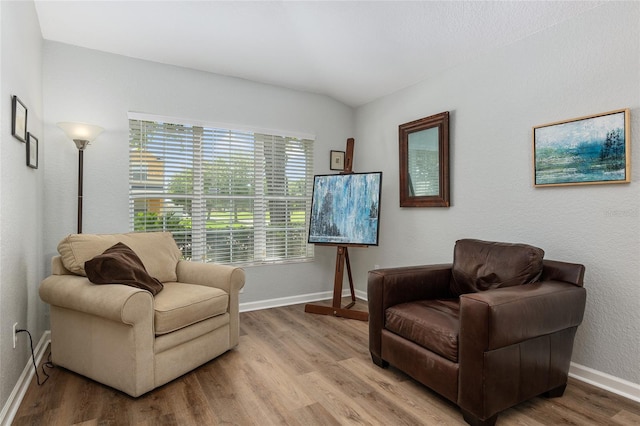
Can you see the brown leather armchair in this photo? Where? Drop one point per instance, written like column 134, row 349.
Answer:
column 492, row 329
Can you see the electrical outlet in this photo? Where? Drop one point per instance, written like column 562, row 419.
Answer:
column 15, row 337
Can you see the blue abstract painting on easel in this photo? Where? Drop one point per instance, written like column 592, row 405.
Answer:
column 345, row 209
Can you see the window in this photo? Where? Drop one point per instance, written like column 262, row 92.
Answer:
column 228, row 196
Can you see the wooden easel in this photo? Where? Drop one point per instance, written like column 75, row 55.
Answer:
column 342, row 258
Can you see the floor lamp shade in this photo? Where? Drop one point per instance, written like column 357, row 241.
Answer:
column 82, row 134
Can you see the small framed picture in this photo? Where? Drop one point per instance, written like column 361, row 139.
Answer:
column 18, row 119
column 337, row 160
column 32, row 151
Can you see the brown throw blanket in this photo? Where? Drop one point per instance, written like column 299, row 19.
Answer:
column 121, row 265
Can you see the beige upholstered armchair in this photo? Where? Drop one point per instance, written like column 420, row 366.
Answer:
column 127, row 338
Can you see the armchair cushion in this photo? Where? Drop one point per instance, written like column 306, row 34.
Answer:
column 121, row 265
column 483, row 265
column 180, row 305
column 432, row 324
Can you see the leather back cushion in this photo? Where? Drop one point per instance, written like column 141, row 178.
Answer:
column 483, row 265
column 157, row 250
column 120, row 265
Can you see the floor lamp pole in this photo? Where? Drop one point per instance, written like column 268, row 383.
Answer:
column 80, row 174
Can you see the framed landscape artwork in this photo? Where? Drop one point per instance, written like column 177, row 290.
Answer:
column 345, row 209
column 587, row 150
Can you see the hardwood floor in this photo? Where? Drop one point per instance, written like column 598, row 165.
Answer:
column 295, row 368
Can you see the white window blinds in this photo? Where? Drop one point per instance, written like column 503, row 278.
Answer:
column 228, row 196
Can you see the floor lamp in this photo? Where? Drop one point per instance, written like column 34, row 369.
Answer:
column 82, row 134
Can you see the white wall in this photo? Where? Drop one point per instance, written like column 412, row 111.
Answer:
column 21, row 207
column 588, row 65
column 100, row 88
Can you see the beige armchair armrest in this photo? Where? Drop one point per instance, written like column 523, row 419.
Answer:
column 115, row 302
column 224, row 277
column 104, row 332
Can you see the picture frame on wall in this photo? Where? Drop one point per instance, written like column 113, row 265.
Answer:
column 337, row 160
column 18, row 119
column 32, row 151
column 424, row 162
column 583, row 151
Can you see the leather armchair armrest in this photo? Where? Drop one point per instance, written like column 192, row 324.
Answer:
column 496, row 325
column 563, row 271
column 128, row 305
column 505, row 316
column 392, row 286
column 228, row 278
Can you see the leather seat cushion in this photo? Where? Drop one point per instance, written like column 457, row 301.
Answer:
column 179, row 305
column 432, row 324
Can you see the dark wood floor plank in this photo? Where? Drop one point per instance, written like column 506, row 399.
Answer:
column 626, row 418
column 346, row 410
column 282, row 343
column 299, row 369
column 315, row 415
column 221, row 384
column 400, row 390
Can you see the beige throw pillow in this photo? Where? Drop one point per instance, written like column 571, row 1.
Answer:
column 158, row 251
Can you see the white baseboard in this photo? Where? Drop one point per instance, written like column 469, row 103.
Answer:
column 361, row 295
column 294, row 300
column 15, row 399
column 605, row 381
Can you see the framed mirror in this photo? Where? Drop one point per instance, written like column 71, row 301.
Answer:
column 424, row 162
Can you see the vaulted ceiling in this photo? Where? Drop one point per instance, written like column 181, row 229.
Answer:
column 353, row 51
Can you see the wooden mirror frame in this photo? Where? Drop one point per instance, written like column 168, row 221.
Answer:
column 441, row 122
